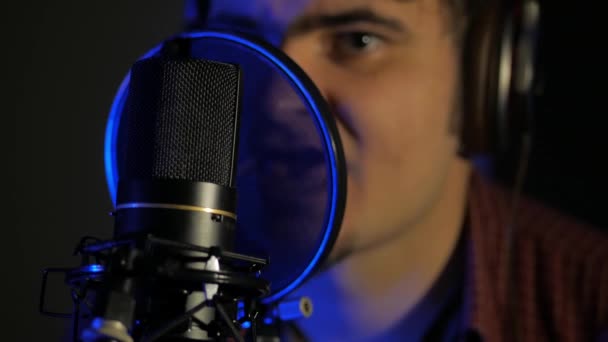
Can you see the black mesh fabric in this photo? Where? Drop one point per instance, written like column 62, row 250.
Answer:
column 180, row 121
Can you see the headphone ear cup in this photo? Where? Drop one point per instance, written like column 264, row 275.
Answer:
column 498, row 74
column 481, row 55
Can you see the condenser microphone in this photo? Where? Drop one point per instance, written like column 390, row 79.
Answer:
column 171, row 272
column 179, row 265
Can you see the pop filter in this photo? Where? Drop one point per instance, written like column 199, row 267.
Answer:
column 291, row 176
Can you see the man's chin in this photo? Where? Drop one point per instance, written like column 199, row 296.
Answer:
column 335, row 257
column 347, row 245
column 343, row 247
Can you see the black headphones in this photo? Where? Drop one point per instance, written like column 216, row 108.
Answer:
column 499, row 56
column 499, row 62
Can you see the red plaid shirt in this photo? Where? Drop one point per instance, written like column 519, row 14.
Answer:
column 559, row 278
column 556, row 289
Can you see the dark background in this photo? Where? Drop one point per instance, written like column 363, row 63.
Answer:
column 63, row 62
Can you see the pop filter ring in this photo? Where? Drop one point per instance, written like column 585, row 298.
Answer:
column 324, row 123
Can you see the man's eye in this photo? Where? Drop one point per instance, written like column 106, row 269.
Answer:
column 345, row 44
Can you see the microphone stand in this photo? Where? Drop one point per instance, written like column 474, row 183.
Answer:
column 123, row 264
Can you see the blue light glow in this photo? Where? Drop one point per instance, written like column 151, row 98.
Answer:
column 268, row 320
column 110, row 139
column 240, row 312
column 246, row 325
column 116, row 111
column 94, row 268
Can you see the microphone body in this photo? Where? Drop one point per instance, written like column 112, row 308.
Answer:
column 170, row 271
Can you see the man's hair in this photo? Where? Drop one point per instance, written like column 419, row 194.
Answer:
column 460, row 13
column 463, row 8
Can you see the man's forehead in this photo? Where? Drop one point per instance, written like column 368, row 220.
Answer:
column 282, row 12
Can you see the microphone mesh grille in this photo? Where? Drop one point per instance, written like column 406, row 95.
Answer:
column 180, row 121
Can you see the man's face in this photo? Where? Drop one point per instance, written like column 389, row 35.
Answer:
column 389, row 71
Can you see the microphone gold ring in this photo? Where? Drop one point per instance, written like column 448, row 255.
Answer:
column 175, row 207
